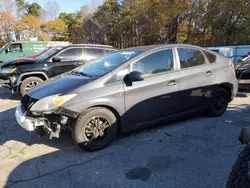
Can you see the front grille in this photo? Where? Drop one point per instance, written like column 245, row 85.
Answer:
column 27, row 102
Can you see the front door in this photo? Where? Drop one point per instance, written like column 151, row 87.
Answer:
column 71, row 58
column 15, row 50
column 157, row 95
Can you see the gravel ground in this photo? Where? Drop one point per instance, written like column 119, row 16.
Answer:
column 195, row 152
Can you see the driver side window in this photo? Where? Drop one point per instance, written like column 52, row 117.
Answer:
column 157, row 62
column 14, row 48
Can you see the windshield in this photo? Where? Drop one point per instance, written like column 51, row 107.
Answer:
column 48, row 54
column 3, row 48
column 44, row 50
column 107, row 63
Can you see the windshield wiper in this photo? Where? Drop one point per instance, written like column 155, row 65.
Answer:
column 86, row 74
column 81, row 73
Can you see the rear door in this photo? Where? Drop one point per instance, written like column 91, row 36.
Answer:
column 197, row 78
column 71, row 58
column 156, row 96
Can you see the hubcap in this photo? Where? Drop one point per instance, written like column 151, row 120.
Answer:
column 31, row 85
column 219, row 101
column 96, row 128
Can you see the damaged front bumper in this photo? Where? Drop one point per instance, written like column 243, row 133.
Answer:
column 29, row 124
column 42, row 124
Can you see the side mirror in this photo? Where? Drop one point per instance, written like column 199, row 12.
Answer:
column 134, row 76
column 57, row 59
column 6, row 50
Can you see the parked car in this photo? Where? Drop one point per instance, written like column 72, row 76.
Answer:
column 32, row 72
column 127, row 90
column 25, row 48
column 8, row 67
column 242, row 69
column 239, row 175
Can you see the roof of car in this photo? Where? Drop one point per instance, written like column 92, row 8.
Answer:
column 150, row 47
column 90, row 45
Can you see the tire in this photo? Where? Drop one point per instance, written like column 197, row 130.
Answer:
column 83, row 121
column 240, row 173
column 218, row 108
column 26, row 83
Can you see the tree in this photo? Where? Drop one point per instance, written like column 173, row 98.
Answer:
column 21, row 7
column 55, row 28
column 72, row 22
column 34, row 9
column 31, row 25
column 8, row 6
column 43, row 37
column 51, row 10
column 6, row 25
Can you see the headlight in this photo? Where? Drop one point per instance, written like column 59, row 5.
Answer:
column 8, row 71
column 51, row 103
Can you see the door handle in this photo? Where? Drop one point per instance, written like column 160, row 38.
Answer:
column 209, row 73
column 172, row 83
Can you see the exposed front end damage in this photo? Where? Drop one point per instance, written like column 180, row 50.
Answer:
column 44, row 122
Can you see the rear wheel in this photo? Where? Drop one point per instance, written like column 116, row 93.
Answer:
column 29, row 83
column 95, row 129
column 219, row 102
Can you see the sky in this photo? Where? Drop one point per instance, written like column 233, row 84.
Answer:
column 66, row 5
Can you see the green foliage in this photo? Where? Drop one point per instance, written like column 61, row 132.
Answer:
column 127, row 23
column 34, row 9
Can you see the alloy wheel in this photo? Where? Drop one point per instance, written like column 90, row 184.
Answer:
column 31, row 85
column 96, row 128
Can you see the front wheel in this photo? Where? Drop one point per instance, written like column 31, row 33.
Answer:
column 95, row 129
column 29, row 83
column 219, row 102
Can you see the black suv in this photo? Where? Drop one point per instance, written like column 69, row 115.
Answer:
column 30, row 72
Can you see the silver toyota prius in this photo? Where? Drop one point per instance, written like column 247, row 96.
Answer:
column 129, row 89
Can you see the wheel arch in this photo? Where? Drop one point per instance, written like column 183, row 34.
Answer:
column 113, row 110
column 229, row 88
column 41, row 75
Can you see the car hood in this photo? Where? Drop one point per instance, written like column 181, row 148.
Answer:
column 16, row 61
column 59, row 85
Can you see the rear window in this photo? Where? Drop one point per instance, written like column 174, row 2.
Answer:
column 211, row 57
column 94, row 52
column 110, row 51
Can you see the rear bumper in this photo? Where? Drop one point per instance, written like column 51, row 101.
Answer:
column 245, row 81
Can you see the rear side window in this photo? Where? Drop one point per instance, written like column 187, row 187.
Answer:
column 72, row 53
column 190, row 57
column 211, row 57
column 94, row 52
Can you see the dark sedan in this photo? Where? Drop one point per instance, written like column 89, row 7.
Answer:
column 242, row 70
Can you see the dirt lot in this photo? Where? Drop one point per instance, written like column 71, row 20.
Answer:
column 193, row 153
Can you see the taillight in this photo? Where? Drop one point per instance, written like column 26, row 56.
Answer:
column 231, row 65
